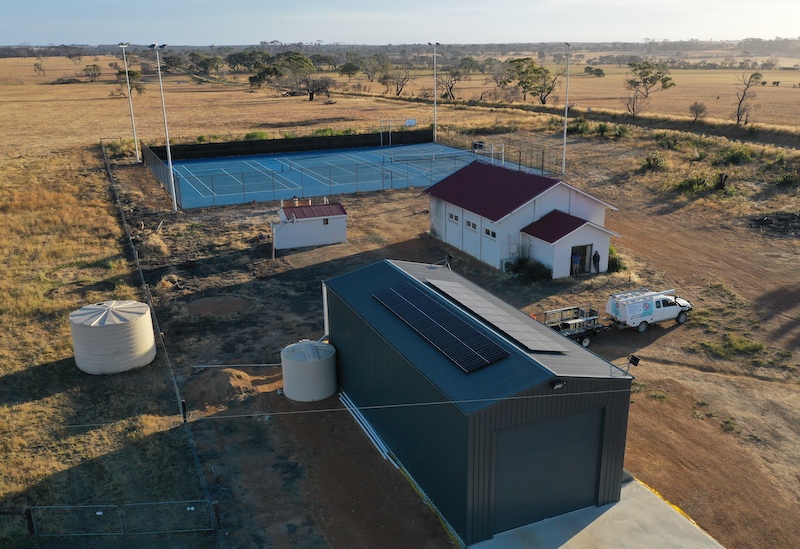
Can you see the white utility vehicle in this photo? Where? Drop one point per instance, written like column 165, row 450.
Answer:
column 640, row 308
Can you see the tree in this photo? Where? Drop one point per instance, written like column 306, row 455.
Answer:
column 374, row 65
column 349, row 70
column 317, row 84
column 697, row 110
column 746, row 94
column 644, row 78
column 267, row 75
column 135, row 80
column 545, row 83
column 204, row 64
column 448, row 78
column 397, row 78
column 523, row 72
column 92, row 72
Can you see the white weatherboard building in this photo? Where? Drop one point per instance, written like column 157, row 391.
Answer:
column 497, row 215
column 301, row 225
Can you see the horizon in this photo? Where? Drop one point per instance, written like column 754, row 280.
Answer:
column 415, row 22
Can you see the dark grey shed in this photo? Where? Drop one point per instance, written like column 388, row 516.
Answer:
column 503, row 446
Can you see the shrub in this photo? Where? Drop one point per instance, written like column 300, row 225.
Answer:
column 694, row 184
column 736, row 154
column 654, row 162
column 602, row 129
column 531, row 270
column 256, row 136
column 789, row 179
column 201, row 139
column 615, row 263
column 578, row 126
column 325, row 132
column 621, row 130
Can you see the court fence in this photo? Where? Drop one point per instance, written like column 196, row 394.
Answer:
column 308, row 181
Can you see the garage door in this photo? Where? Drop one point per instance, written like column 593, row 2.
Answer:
column 545, row 469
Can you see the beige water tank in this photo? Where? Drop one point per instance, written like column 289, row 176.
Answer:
column 309, row 371
column 112, row 336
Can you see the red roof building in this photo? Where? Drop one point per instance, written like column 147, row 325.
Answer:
column 497, row 215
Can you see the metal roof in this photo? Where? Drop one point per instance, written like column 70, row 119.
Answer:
column 490, row 191
column 309, row 211
column 520, row 371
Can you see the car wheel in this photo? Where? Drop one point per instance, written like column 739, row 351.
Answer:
column 681, row 317
column 585, row 341
column 642, row 327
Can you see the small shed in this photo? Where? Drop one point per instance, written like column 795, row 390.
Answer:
column 300, row 225
column 501, row 421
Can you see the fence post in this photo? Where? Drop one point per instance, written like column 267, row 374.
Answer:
column 29, row 518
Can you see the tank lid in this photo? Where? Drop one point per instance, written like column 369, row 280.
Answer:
column 308, row 351
column 109, row 312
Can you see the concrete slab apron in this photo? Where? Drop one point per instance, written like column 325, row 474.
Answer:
column 640, row 519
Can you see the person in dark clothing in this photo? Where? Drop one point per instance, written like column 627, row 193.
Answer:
column 596, row 261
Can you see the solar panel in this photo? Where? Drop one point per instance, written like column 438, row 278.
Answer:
column 515, row 326
column 460, row 342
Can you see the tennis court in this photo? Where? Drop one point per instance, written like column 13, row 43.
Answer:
column 267, row 177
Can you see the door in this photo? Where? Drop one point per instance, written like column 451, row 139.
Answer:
column 545, row 469
column 583, row 256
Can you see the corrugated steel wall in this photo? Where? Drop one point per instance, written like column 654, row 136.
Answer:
column 429, row 435
column 543, row 403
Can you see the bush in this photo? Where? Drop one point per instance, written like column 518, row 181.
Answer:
column 789, row 179
column 602, row 129
column 736, row 154
column 654, row 162
column 615, row 263
column 531, row 270
column 578, row 126
column 694, row 184
column 201, row 139
column 256, row 136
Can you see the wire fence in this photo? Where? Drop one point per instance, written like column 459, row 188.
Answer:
column 163, row 517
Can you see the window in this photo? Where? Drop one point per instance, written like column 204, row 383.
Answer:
column 490, row 234
column 471, row 225
column 325, row 221
column 453, row 217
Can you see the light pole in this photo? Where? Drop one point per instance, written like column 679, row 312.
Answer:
column 566, row 114
column 435, row 88
column 124, row 45
column 157, row 47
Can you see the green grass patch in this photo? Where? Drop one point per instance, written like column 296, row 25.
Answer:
column 732, row 345
column 256, row 136
column 735, row 155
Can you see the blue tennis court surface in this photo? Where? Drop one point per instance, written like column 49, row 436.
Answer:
column 239, row 179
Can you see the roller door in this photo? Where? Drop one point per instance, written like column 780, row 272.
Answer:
column 545, row 469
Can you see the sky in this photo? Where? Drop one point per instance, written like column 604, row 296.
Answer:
column 396, row 22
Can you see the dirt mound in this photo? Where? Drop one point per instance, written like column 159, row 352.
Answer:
column 217, row 388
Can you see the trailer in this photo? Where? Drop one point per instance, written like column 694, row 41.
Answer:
column 579, row 324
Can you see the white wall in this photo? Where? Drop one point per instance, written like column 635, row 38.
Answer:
column 309, row 232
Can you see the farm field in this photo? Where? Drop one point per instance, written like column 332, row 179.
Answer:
column 713, row 425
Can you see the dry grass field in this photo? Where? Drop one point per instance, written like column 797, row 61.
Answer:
column 714, row 422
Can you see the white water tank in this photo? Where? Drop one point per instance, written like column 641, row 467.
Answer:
column 309, row 371
column 112, row 336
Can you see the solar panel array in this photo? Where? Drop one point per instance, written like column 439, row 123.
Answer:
column 515, row 326
column 469, row 349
